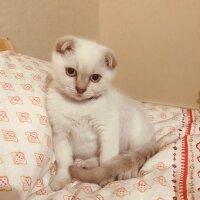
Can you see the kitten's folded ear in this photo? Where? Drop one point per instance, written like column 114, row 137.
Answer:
column 65, row 44
column 110, row 59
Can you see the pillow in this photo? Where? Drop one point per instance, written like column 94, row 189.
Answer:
column 25, row 135
column 26, row 154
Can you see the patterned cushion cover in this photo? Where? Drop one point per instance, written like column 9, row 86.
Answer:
column 26, row 154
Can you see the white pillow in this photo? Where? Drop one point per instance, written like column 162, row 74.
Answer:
column 25, row 134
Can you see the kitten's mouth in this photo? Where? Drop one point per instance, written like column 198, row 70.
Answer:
column 80, row 97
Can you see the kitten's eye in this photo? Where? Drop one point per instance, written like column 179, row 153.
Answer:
column 95, row 78
column 70, row 71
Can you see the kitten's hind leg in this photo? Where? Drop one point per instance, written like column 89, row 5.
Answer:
column 138, row 160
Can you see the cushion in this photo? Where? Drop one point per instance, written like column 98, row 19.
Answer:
column 25, row 135
column 26, row 153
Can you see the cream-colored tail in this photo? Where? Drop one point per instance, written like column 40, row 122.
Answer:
column 123, row 166
column 108, row 171
column 92, row 175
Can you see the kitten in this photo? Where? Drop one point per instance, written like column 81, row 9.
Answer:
column 91, row 120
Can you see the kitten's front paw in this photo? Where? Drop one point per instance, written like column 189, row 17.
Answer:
column 90, row 163
column 57, row 183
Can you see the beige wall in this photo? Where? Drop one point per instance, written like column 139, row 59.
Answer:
column 157, row 42
column 33, row 26
column 158, row 47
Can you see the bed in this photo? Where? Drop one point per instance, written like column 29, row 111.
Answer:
column 26, row 153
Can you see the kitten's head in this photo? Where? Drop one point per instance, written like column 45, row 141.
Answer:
column 82, row 69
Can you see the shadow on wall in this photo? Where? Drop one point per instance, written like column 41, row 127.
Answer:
column 198, row 100
column 10, row 195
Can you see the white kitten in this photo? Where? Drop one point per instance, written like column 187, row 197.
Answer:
column 91, row 120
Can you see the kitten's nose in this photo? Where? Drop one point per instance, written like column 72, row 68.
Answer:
column 80, row 90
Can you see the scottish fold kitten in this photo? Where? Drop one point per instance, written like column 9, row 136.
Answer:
column 91, row 120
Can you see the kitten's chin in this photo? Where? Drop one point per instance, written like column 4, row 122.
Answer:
column 82, row 98
column 79, row 98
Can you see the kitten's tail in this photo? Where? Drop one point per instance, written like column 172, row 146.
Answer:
column 123, row 166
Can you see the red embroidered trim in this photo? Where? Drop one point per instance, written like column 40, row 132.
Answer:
column 184, row 158
column 190, row 121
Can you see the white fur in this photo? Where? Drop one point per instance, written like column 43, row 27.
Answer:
column 83, row 128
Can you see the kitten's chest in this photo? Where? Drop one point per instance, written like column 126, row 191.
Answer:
column 77, row 118
column 83, row 137
column 81, row 131
column 79, row 125
column 78, row 121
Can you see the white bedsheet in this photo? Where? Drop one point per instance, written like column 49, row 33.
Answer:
column 26, row 154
